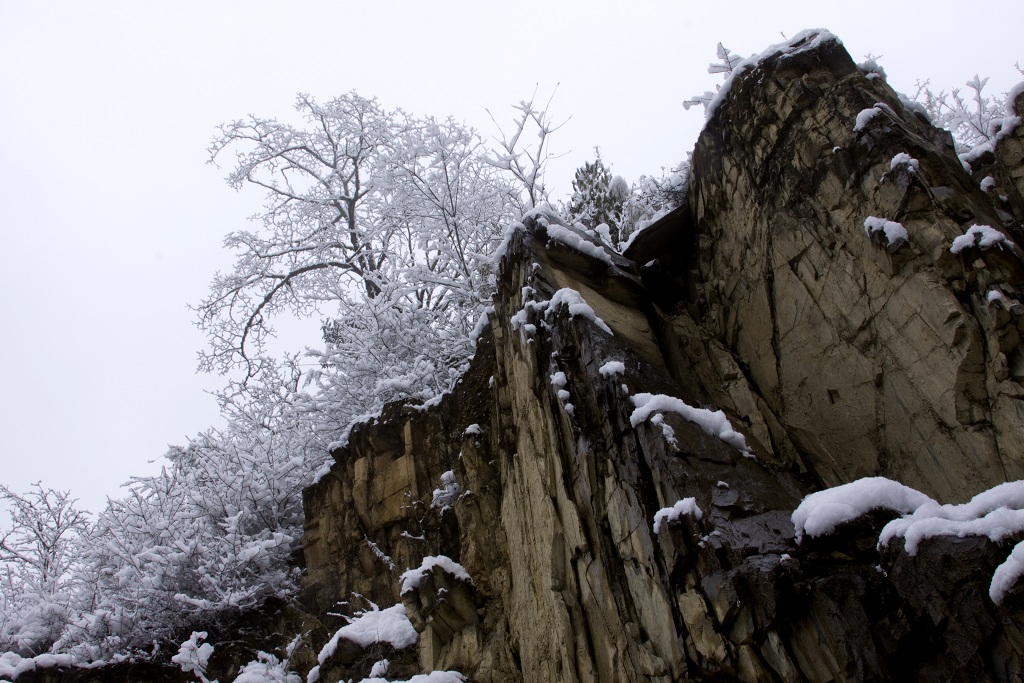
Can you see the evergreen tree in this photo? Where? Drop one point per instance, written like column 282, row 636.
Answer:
column 597, row 198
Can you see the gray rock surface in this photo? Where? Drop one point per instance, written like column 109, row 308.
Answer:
column 837, row 354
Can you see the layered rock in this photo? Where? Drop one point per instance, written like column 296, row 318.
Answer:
column 877, row 358
column 836, row 352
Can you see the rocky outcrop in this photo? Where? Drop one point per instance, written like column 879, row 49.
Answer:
column 877, row 358
column 607, row 494
column 836, row 352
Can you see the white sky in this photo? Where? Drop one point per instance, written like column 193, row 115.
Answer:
column 112, row 222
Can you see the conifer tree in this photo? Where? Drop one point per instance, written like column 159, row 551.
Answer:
column 597, row 198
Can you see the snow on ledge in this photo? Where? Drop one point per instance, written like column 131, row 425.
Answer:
column 432, row 677
column 981, row 236
column 686, row 506
column 820, row 513
column 389, row 625
column 13, row 665
column 412, row 578
column 577, row 306
column 904, row 159
column 996, row 514
column 559, row 231
column 714, row 423
column 895, row 233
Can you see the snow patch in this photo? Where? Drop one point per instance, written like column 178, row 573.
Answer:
column 996, row 514
column 267, row 669
column 446, row 496
column 577, row 306
column 412, row 578
column 612, row 368
column 981, row 236
column 1012, row 96
column 895, row 233
column 820, row 513
column 904, row 159
column 714, row 423
column 389, row 625
column 686, row 506
column 192, row 656
column 558, row 231
column 987, row 183
column 432, row 677
column 866, row 115
column 1007, row 574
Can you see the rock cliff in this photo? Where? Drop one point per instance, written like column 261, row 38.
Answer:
column 836, row 351
column 608, row 493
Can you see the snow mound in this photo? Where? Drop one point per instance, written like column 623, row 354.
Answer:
column 389, row 625
column 895, row 233
column 864, row 118
column 577, row 306
column 432, row 677
column 612, row 368
column 996, row 514
column 820, row 513
column 904, row 159
column 981, row 236
column 412, row 578
column 686, row 506
column 12, row 665
column 714, row 423
column 267, row 669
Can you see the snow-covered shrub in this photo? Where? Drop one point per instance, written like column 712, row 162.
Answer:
column 651, row 198
column 974, row 118
column 194, row 657
column 449, row 492
column 39, row 572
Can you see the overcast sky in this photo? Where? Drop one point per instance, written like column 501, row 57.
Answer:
column 112, row 221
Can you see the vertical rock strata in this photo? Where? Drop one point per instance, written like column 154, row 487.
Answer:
column 836, row 353
column 878, row 359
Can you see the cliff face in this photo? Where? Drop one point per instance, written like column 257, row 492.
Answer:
column 622, row 485
column 835, row 353
column 876, row 360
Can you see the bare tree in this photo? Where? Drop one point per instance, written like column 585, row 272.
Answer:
column 525, row 162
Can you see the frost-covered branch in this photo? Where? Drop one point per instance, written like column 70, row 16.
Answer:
column 525, row 162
